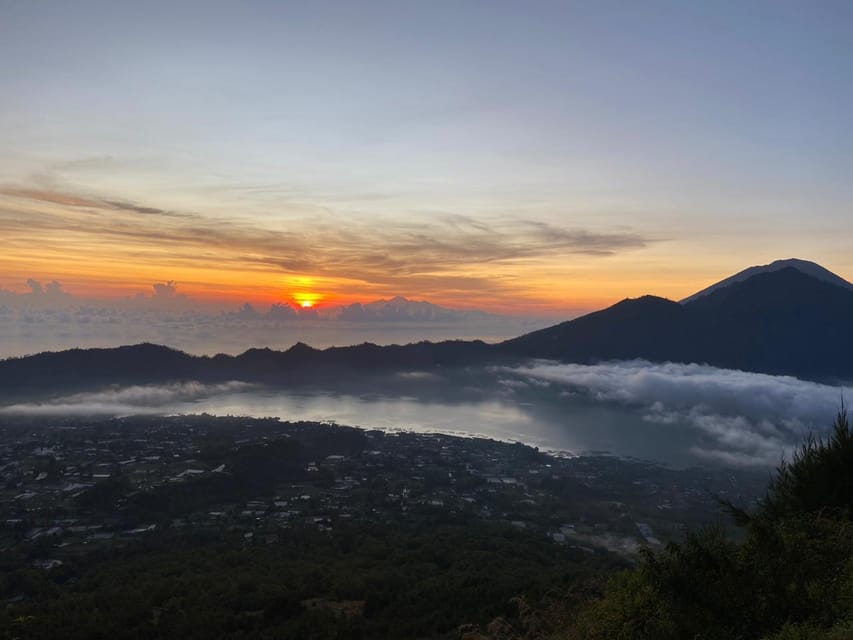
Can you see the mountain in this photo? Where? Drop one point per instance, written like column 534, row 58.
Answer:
column 792, row 319
column 649, row 325
column 149, row 363
column 788, row 320
column 804, row 266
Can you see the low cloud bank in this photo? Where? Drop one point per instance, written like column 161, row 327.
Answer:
column 28, row 332
column 47, row 318
column 740, row 417
column 118, row 401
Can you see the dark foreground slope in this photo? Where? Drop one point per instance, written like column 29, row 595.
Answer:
column 788, row 575
column 790, row 579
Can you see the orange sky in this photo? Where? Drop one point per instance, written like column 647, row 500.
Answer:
column 538, row 162
column 101, row 247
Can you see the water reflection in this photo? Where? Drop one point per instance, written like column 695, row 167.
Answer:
column 572, row 425
column 677, row 414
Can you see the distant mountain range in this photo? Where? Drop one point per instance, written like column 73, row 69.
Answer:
column 790, row 317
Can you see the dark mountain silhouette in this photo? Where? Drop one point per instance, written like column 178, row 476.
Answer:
column 781, row 321
column 791, row 320
column 805, row 266
column 78, row 367
column 652, row 326
column 149, row 363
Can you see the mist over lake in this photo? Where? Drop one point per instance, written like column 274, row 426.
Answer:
column 672, row 413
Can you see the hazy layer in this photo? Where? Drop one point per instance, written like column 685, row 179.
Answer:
column 210, row 335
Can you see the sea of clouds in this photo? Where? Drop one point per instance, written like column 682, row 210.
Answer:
column 739, row 417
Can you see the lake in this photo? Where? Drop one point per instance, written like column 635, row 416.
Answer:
column 679, row 414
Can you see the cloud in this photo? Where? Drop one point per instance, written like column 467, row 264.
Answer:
column 131, row 400
column 41, row 295
column 52, row 289
column 35, row 287
column 741, row 417
column 53, row 196
column 399, row 309
column 127, row 206
column 448, row 253
column 584, row 241
column 165, row 289
column 281, row 311
column 247, row 311
column 30, row 323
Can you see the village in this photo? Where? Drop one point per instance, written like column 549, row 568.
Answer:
column 72, row 486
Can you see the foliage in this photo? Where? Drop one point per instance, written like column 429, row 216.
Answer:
column 841, row 631
column 819, row 478
column 368, row 581
column 790, row 578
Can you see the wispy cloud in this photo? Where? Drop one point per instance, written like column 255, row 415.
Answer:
column 452, row 251
column 71, row 200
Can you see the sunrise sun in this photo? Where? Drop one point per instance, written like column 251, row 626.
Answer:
column 306, row 299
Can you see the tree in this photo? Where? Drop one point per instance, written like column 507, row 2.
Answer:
column 790, row 579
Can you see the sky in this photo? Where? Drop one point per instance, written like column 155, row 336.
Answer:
column 535, row 159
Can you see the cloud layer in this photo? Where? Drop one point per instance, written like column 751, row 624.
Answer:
column 48, row 318
column 444, row 254
column 739, row 417
column 133, row 400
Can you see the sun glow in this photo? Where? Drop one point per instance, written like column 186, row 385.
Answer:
column 306, row 299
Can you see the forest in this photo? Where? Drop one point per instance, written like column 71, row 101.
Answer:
column 359, row 582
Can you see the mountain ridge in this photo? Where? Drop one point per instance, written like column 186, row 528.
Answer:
column 777, row 321
column 805, row 266
column 780, row 322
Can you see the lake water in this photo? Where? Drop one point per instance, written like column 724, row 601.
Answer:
column 672, row 413
column 570, row 426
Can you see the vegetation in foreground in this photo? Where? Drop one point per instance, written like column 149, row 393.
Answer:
column 790, row 578
column 361, row 581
